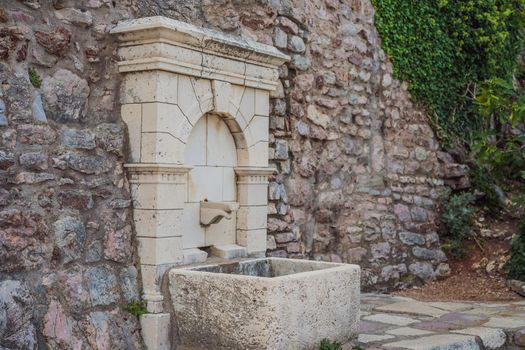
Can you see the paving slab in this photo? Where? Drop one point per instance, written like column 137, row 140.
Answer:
column 371, row 327
column 408, row 332
column 451, row 306
column 491, row 311
column 394, row 323
column 505, row 322
column 492, row 338
column 370, row 338
column 451, row 321
column 437, row 342
column 412, row 308
column 391, row 319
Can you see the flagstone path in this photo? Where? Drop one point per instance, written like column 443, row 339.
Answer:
column 389, row 323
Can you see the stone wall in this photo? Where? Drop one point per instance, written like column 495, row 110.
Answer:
column 360, row 171
column 359, row 167
column 66, row 246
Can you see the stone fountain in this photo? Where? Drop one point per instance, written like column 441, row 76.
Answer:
column 196, row 105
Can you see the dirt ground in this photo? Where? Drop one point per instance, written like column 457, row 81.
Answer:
column 479, row 275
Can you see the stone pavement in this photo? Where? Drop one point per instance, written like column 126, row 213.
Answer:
column 389, row 322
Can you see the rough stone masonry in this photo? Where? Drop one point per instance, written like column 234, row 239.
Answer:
column 359, row 168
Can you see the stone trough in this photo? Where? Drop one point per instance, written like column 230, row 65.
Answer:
column 267, row 303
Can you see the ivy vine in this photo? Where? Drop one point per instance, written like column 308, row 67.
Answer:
column 445, row 48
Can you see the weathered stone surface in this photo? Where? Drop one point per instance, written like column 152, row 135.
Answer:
column 75, row 138
column 298, row 190
column 422, row 270
column 75, row 16
column 410, row 238
column 38, row 108
column 237, row 320
column 17, row 95
column 17, row 330
column 452, row 321
column 393, row 272
column 407, row 331
column 371, row 327
column 492, row 338
column 369, row 338
column 446, row 341
column 33, row 160
column 80, row 200
column 57, row 326
column 391, row 319
column 412, row 308
column 102, row 285
column 296, row 44
column 36, row 134
column 7, row 159
column 505, row 322
column 110, row 137
column 428, row 254
column 3, row 117
column 70, row 235
column 128, row 283
column 65, row 96
column 55, row 42
column 25, row 242
column 117, row 244
column 86, row 164
column 317, row 117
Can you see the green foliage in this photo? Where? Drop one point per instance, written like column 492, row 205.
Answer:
column 498, row 151
column 457, row 217
column 327, row 344
column 516, row 264
column 445, row 48
column 486, row 184
column 137, row 307
column 34, row 78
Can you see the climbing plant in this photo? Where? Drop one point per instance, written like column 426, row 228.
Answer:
column 460, row 60
column 445, row 48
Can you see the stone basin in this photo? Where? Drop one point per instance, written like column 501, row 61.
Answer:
column 267, row 303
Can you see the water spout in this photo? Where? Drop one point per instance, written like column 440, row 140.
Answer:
column 214, row 212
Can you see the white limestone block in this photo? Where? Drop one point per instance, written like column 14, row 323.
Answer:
column 195, row 152
column 229, row 251
column 205, row 183
column 262, row 102
column 165, row 118
column 149, row 86
column 253, row 240
column 187, row 100
column 155, row 331
column 157, row 251
column 194, row 256
column 194, row 233
column 132, row 117
column 160, row 147
column 252, row 217
column 158, row 195
column 158, row 223
column 221, row 233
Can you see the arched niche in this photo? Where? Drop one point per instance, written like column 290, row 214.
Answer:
column 212, row 154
